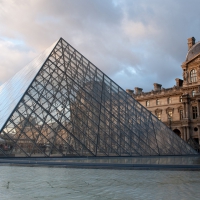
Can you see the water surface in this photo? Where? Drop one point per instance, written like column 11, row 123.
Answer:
column 64, row 183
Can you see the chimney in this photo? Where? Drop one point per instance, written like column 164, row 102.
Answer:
column 130, row 91
column 157, row 87
column 138, row 90
column 191, row 42
column 179, row 82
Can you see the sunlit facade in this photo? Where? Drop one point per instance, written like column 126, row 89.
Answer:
column 179, row 107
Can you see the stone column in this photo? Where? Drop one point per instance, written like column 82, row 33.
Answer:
column 187, row 110
column 184, row 110
column 198, row 132
column 184, row 134
column 198, row 107
column 188, row 132
column 186, row 101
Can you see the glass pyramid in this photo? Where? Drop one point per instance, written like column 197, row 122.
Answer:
column 61, row 105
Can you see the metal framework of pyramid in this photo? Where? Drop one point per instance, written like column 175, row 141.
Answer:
column 62, row 105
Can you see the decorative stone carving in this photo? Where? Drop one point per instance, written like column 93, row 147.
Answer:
column 158, row 110
column 180, row 108
column 185, row 75
column 198, row 72
column 169, row 109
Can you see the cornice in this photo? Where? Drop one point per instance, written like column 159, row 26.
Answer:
column 192, row 59
column 165, row 92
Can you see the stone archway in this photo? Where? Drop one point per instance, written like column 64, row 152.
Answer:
column 177, row 132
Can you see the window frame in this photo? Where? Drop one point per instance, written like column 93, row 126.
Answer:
column 193, row 76
column 147, row 103
column 169, row 100
column 193, row 93
column 158, row 102
column 194, row 112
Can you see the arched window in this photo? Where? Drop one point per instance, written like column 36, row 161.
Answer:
column 193, row 75
column 177, row 132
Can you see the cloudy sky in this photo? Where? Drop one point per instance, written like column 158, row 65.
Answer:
column 135, row 42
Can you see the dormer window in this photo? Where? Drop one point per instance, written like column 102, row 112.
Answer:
column 193, row 75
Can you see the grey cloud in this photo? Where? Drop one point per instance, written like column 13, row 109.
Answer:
column 12, row 58
column 135, row 42
column 175, row 20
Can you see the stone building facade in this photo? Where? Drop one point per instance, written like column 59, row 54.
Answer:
column 178, row 107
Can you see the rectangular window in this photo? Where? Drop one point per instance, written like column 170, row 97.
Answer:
column 193, row 75
column 181, row 99
column 169, row 100
column 194, row 112
column 157, row 102
column 193, row 93
column 147, row 103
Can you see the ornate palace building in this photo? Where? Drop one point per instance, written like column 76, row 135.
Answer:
column 178, row 107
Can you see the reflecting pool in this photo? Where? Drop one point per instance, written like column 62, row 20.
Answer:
column 67, row 183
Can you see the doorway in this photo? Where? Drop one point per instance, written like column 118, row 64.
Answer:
column 177, row 132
